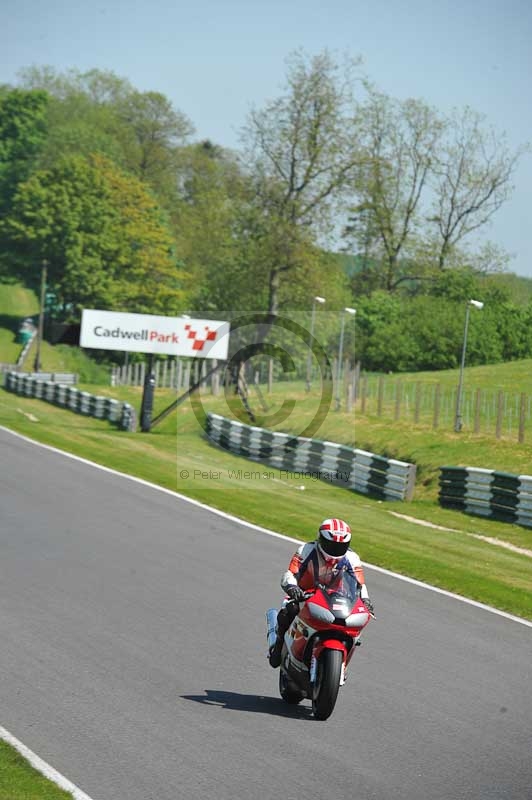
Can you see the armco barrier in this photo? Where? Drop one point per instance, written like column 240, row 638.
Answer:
column 56, row 377
column 487, row 493
column 115, row 411
column 344, row 466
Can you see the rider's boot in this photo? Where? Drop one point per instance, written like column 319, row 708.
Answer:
column 275, row 652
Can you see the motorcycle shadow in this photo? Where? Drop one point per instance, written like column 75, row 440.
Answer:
column 256, row 704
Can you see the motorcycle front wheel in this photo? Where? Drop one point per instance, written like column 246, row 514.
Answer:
column 288, row 691
column 325, row 690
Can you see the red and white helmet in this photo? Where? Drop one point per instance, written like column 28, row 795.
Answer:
column 333, row 539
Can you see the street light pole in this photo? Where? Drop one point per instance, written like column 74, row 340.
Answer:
column 37, row 363
column 309, row 355
column 340, row 352
column 458, row 415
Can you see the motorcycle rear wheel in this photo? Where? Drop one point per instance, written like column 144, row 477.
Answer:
column 288, row 691
column 327, row 683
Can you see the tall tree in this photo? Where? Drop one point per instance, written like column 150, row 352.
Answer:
column 22, row 133
column 203, row 219
column 427, row 183
column 154, row 130
column 400, row 141
column 302, row 154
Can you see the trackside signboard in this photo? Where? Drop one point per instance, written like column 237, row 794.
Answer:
column 145, row 333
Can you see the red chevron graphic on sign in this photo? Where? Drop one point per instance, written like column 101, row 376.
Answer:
column 200, row 340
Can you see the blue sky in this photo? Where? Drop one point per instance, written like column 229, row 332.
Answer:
column 215, row 60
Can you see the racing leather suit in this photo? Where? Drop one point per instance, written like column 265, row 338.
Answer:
column 307, row 567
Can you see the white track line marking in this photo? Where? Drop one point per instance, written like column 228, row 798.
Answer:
column 42, row 767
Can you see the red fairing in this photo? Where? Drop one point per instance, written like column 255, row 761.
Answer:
column 334, row 620
column 321, row 641
column 331, row 644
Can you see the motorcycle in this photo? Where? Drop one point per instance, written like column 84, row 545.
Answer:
column 320, row 643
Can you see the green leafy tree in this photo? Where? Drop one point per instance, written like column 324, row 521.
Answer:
column 22, row 133
column 99, row 112
column 102, row 234
column 154, row 131
column 82, row 114
column 204, row 221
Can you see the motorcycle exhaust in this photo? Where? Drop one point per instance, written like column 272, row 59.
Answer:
column 271, row 626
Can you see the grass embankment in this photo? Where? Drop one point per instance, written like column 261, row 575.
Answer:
column 429, row 449
column 63, row 358
column 16, row 303
column 177, row 455
column 496, row 399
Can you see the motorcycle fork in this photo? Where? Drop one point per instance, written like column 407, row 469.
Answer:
column 330, row 644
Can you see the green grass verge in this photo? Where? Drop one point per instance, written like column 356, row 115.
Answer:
column 16, row 303
column 20, row 781
column 178, row 456
column 10, row 349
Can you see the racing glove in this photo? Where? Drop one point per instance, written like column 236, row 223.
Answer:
column 369, row 605
column 295, row 593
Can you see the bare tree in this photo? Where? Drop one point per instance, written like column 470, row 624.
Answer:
column 471, row 179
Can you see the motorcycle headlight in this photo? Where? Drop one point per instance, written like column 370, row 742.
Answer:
column 323, row 614
column 357, row 620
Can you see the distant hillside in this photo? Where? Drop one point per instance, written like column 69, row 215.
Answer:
column 518, row 287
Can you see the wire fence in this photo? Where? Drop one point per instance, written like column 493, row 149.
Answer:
column 491, row 412
column 488, row 411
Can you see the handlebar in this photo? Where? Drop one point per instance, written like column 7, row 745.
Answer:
column 310, row 592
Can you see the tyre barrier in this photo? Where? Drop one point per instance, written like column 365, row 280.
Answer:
column 119, row 413
column 487, row 493
column 350, row 468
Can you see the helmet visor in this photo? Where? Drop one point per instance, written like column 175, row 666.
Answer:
column 334, row 549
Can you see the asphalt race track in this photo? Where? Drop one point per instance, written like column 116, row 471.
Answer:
column 133, row 659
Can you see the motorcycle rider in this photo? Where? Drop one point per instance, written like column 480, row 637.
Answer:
column 312, row 563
